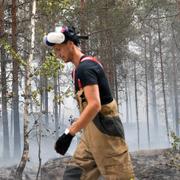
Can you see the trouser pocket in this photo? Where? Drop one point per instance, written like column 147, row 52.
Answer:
column 109, row 125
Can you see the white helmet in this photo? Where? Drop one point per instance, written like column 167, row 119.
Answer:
column 65, row 34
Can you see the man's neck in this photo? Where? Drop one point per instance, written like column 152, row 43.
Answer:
column 77, row 56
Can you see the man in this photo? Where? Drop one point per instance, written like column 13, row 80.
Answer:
column 102, row 149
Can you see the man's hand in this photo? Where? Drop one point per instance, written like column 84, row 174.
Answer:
column 63, row 143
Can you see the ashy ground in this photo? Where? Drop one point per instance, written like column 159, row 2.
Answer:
column 162, row 164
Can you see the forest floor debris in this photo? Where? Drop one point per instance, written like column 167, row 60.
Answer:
column 160, row 164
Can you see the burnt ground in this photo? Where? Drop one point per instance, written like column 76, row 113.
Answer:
column 161, row 164
column 157, row 164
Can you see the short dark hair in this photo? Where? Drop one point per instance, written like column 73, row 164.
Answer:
column 70, row 35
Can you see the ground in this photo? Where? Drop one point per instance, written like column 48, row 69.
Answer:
column 158, row 164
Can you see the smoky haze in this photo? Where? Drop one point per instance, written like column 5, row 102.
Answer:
column 48, row 138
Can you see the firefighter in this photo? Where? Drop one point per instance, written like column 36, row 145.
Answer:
column 102, row 150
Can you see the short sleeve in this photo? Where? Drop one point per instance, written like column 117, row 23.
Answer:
column 87, row 75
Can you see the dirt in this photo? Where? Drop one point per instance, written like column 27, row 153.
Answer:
column 161, row 164
column 157, row 164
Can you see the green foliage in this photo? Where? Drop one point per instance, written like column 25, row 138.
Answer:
column 59, row 98
column 35, row 97
column 175, row 141
column 50, row 7
column 9, row 50
column 153, row 3
column 110, row 26
column 146, row 6
column 50, row 67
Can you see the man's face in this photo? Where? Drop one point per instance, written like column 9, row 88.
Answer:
column 63, row 51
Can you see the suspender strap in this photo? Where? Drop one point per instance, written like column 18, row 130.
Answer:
column 91, row 59
column 84, row 59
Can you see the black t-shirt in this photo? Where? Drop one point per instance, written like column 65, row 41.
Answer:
column 88, row 73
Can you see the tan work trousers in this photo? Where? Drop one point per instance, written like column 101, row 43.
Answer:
column 99, row 154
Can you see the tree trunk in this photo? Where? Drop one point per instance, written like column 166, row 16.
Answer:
column 39, row 136
column 127, row 99
column 116, row 89
column 136, row 104
column 178, row 7
column 6, row 150
column 106, row 45
column 56, row 108
column 147, row 94
column 83, row 25
column 44, row 92
column 46, row 101
column 59, row 90
column 175, row 88
column 171, row 94
column 153, row 90
column 27, row 98
column 15, row 99
column 110, row 62
column 162, row 75
column 44, row 98
column 129, row 96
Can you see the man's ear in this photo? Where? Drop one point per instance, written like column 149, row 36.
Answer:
column 70, row 43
